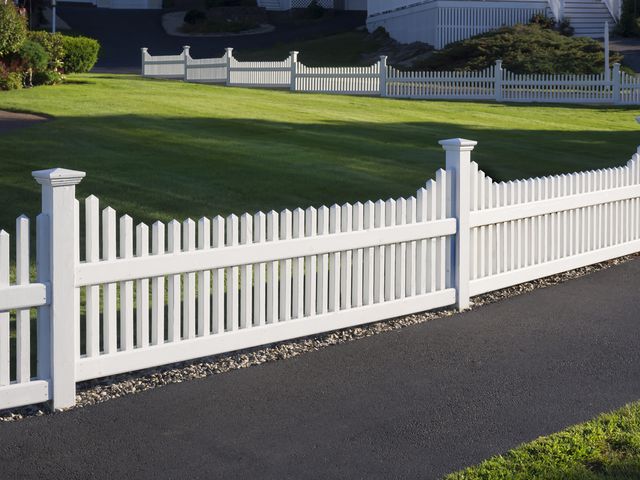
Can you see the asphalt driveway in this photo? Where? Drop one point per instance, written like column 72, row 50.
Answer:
column 122, row 33
column 413, row 403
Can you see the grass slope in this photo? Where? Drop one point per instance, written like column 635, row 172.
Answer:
column 606, row 448
column 165, row 149
column 343, row 49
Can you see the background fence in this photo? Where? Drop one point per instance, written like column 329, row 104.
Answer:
column 118, row 297
column 494, row 83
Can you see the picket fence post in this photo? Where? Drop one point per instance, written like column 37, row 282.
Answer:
column 58, row 204
column 294, row 69
column 185, row 51
column 383, row 75
column 616, row 84
column 144, row 51
column 458, row 158
column 498, row 80
column 229, row 54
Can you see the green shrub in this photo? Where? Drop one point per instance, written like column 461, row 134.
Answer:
column 544, row 21
column 9, row 79
column 13, row 29
column 523, row 49
column 53, row 43
column 33, row 58
column 628, row 24
column 47, row 77
column 564, row 27
column 80, row 54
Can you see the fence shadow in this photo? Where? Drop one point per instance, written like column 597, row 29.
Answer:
column 171, row 167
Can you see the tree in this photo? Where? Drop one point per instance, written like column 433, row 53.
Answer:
column 13, row 29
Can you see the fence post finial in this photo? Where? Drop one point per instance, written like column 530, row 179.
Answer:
column 458, row 157
column 59, row 205
column 294, row 68
column 383, row 75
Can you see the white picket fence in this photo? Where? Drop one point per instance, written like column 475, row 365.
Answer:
column 119, row 298
column 380, row 79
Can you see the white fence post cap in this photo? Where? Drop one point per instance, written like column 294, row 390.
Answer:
column 58, row 177
column 458, row 144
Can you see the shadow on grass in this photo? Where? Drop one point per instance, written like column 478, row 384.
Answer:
column 159, row 168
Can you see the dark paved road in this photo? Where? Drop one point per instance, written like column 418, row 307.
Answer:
column 415, row 403
column 123, row 32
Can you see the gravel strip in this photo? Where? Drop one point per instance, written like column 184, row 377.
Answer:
column 101, row 390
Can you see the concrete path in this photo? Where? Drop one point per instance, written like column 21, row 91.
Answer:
column 123, row 32
column 415, row 403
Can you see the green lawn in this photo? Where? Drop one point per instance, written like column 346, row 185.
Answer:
column 343, row 49
column 165, row 149
column 606, row 448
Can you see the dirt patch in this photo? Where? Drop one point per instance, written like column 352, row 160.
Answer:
column 12, row 121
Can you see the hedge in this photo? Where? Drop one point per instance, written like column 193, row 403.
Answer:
column 81, row 54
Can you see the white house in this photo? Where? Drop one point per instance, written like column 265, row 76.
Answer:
column 440, row 22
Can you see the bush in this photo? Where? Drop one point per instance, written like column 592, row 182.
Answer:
column 564, row 28
column 193, row 17
column 523, row 49
column 13, row 29
column 53, row 43
column 33, row 58
column 544, row 21
column 628, row 24
column 81, row 54
column 47, row 77
column 10, row 79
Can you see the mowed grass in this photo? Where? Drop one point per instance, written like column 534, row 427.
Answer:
column 606, row 448
column 343, row 49
column 159, row 150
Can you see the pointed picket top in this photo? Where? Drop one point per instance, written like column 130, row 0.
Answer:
column 58, row 177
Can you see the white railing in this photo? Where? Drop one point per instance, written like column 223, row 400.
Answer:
column 494, row 83
column 148, row 296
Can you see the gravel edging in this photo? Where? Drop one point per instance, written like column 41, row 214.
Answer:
column 101, row 390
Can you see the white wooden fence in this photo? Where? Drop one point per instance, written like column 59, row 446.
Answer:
column 493, row 83
column 125, row 298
